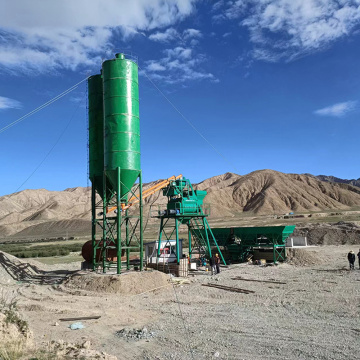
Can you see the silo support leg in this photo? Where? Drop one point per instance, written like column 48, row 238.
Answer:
column 104, row 243
column 127, row 241
column 159, row 243
column 189, row 237
column 177, row 241
column 141, row 224
column 217, row 246
column 118, row 221
column 93, row 225
column 207, row 237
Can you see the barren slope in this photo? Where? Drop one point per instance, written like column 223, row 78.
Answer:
column 354, row 182
column 31, row 212
column 268, row 192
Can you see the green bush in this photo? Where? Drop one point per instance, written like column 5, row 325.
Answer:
column 22, row 251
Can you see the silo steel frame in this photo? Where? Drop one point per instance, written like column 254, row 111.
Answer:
column 120, row 229
column 121, row 176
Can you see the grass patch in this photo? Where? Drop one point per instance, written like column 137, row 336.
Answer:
column 52, row 260
column 17, row 349
column 33, row 251
column 12, row 350
column 8, row 306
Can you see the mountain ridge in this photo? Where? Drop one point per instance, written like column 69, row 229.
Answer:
column 229, row 195
column 331, row 178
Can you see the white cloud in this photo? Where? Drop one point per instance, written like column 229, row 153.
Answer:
column 191, row 33
column 154, row 66
column 338, row 110
column 178, row 65
column 40, row 36
column 166, row 36
column 6, row 103
column 230, row 10
column 217, row 6
column 291, row 28
column 171, row 34
column 178, row 52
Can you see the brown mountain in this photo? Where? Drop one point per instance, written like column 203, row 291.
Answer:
column 34, row 212
column 334, row 179
column 268, row 192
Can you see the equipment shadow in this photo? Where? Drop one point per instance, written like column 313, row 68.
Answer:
column 31, row 274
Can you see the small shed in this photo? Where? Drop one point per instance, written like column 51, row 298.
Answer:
column 296, row 241
column 167, row 251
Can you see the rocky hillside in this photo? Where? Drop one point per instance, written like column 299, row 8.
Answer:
column 269, row 192
column 333, row 179
column 260, row 192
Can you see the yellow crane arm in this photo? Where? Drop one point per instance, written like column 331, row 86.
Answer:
column 146, row 193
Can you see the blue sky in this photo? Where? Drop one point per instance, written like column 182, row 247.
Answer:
column 271, row 84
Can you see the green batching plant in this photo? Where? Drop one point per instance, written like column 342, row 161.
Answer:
column 114, row 162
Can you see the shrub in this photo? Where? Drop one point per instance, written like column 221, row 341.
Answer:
column 22, row 251
column 8, row 306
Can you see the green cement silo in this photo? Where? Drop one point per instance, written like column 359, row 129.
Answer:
column 122, row 123
column 96, row 137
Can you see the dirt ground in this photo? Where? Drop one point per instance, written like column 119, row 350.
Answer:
column 311, row 310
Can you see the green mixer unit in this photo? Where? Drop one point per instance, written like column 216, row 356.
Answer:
column 186, row 207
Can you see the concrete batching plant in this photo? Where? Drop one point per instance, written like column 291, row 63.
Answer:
column 115, row 174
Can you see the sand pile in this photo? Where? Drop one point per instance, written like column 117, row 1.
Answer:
column 340, row 233
column 131, row 283
column 304, row 257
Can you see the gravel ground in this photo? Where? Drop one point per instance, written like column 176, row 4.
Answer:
column 314, row 315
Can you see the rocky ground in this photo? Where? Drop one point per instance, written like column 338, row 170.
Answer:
column 308, row 308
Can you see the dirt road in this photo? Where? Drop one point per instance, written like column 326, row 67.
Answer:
column 314, row 315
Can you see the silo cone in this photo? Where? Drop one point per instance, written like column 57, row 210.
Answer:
column 122, row 123
column 96, row 133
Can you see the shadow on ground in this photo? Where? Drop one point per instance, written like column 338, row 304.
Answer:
column 31, row 274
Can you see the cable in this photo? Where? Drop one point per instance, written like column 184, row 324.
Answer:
column 147, row 220
column 189, row 122
column 52, row 148
column 193, row 126
column 69, row 90
column 186, row 328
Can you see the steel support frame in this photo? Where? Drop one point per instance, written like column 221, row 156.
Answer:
column 162, row 231
column 111, row 227
column 279, row 253
column 196, row 241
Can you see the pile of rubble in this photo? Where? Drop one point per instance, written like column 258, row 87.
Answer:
column 135, row 334
column 61, row 349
